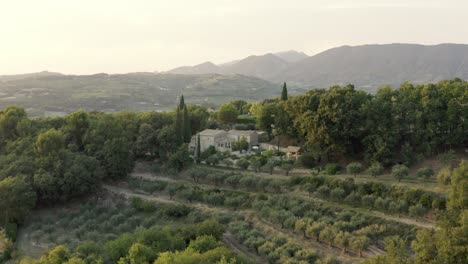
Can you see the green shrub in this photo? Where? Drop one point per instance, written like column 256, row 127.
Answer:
column 177, row 210
column 11, row 231
column 425, row 173
column 323, row 191
column 399, row 172
column 332, row 168
column 375, row 169
column 354, row 168
column 444, row 175
column 307, row 160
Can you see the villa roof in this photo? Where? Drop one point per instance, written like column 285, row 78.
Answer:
column 242, row 132
column 294, row 149
column 211, row 132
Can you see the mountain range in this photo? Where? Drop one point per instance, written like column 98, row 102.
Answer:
column 253, row 78
column 365, row 66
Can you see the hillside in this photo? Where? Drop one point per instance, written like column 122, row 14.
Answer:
column 59, row 94
column 375, row 65
column 265, row 66
column 366, row 66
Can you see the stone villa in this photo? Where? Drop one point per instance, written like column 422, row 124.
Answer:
column 222, row 140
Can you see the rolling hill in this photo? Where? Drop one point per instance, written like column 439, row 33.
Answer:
column 375, row 65
column 59, row 94
column 366, row 66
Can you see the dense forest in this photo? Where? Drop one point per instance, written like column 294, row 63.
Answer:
column 50, row 161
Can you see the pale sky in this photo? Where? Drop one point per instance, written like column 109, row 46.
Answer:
column 119, row 36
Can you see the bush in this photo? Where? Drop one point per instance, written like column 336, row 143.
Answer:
column 307, row 160
column 337, row 194
column 416, row 210
column 425, row 173
column 399, row 172
column 444, row 175
column 11, row 231
column 243, row 164
column 375, row 169
column 323, row 191
column 354, row 168
column 177, row 210
column 332, row 168
column 368, row 200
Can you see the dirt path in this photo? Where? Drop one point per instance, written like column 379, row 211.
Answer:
column 404, row 220
column 258, row 223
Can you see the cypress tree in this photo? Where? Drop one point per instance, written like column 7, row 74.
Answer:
column 178, row 127
column 284, row 93
column 182, row 102
column 186, row 130
column 198, row 150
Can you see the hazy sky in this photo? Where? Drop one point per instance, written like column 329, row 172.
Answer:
column 117, row 36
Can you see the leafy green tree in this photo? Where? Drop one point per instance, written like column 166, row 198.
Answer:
column 240, row 145
column 13, row 123
column 255, row 164
column 444, row 175
column 180, row 159
column 328, row 235
column 314, row 230
column 266, row 118
column 49, row 143
column 416, row 210
column 359, row 243
column 204, row 243
column 270, row 166
column 287, row 167
column 227, row 114
column 425, row 172
column 424, row 247
column 58, row 255
column 77, row 125
column 16, row 199
column 300, row 226
column 375, row 169
column 399, row 172
column 354, row 168
column 284, row 93
column 342, row 239
column 243, row 164
column 147, row 141
column 395, row 252
column 210, row 228
column 167, row 141
column 140, row 254
column 116, row 158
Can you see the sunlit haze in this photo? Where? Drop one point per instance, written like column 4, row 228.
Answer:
column 118, row 36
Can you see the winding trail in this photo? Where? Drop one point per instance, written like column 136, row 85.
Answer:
column 262, row 225
column 404, row 220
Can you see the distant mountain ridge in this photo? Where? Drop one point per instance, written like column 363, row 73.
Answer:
column 265, row 66
column 365, row 66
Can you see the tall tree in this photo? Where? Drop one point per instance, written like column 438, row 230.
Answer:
column 77, row 126
column 284, row 93
column 227, row 114
column 181, row 102
column 198, row 150
column 178, row 127
column 16, row 199
column 187, row 129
